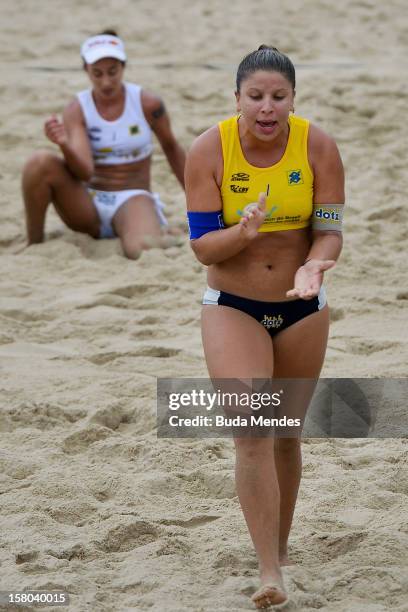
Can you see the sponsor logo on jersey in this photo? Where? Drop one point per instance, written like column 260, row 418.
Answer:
column 238, row 189
column 133, row 129
column 240, row 176
column 272, row 322
column 249, row 207
column 93, row 133
column 295, row 177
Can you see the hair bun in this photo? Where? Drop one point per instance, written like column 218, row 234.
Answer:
column 109, row 32
column 263, row 47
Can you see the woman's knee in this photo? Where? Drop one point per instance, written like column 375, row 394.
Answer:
column 253, row 449
column 287, row 446
column 132, row 248
column 134, row 244
column 44, row 164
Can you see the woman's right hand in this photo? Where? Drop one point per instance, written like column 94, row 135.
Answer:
column 253, row 217
column 55, row 131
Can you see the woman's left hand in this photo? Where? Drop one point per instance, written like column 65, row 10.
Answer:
column 309, row 278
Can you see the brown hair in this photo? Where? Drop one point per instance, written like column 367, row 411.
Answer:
column 266, row 58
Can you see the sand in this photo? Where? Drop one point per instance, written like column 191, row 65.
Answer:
column 91, row 501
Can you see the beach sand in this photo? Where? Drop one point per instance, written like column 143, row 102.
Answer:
column 91, row 501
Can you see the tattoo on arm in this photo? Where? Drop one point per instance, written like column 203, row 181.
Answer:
column 159, row 111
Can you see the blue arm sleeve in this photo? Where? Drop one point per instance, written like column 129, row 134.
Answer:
column 201, row 223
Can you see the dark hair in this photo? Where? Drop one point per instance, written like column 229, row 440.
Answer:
column 108, row 33
column 266, row 58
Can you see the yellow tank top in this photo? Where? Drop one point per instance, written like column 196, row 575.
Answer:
column 289, row 182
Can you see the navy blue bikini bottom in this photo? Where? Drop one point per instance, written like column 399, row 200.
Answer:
column 274, row 316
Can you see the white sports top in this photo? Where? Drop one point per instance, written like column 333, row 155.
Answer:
column 127, row 139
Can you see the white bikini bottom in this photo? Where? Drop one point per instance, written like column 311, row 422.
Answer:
column 107, row 203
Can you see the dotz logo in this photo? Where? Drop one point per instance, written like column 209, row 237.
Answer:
column 240, row 176
column 238, row 189
column 295, row 177
column 270, row 322
column 327, row 215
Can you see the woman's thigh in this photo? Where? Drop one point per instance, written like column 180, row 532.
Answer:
column 298, row 357
column 72, row 201
column 75, row 207
column 137, row 217
column 299, row 350
column 235, row 344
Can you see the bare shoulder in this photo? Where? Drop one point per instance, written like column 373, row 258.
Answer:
column 206, row 153
column 207, row 146
column 208, row 142
column 72, row 113
column 203, row 173
column 321, row 144
column 152, row 104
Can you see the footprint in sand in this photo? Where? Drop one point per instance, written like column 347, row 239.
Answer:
column 216, row 485
column 136, row 290
column 126, row 537
column 80, row 441
column 174, row 545
column 368, row 347
column 72, row 513
column 113, row 301
column 112, row 416
column 193, row 522
column 359, row 462
column 26, row 556
column 150, row 320
column 76, row 551
column 147, row 334
column 146, row 351
column 233, row 559
column 41, row 415
column 331, row 546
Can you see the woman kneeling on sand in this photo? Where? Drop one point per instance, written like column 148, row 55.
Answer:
column 101, row 186
column 265, row 314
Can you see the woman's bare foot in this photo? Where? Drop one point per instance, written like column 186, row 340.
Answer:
column 271, row 593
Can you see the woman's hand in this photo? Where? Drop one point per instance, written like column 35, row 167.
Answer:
column 309, row 278
column 55, row 131
column 253, row 217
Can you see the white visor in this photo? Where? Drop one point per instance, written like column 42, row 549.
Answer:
column 104, row 45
